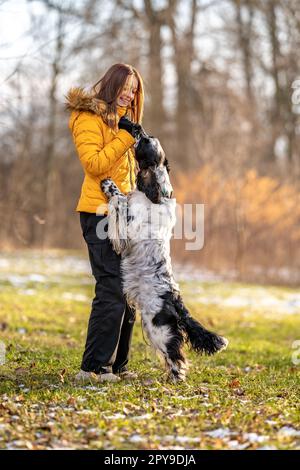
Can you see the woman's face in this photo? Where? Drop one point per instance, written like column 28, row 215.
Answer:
column 128, row 92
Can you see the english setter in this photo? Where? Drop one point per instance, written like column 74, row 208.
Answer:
column 140, row 228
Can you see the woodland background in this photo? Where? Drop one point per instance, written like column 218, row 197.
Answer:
column 222, row 81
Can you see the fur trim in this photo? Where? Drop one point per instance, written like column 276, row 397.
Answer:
column 77, row 99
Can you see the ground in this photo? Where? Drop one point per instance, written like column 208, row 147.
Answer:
column 244, row 398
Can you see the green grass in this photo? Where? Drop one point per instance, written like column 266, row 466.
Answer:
column 248, row 395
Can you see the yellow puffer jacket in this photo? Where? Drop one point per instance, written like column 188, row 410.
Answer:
column 103, row 152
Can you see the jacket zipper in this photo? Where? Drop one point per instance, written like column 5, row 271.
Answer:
column 130, row 171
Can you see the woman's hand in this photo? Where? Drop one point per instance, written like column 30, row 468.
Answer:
column 133, row 128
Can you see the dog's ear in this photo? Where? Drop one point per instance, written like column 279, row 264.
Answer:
column 166, row 163
column 147, row 183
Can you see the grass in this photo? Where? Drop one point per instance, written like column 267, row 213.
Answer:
column 245, row 398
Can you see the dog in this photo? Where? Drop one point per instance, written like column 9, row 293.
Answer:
column 140, row 228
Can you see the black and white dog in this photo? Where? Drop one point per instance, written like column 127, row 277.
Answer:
column 140, row 228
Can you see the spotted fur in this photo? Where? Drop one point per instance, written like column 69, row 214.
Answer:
column 140, row 228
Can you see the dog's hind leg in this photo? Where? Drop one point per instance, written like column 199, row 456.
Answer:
column 167, row 338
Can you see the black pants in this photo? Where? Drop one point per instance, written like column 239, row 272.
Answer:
column 111, row 321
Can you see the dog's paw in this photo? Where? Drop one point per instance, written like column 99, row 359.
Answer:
column 223, row 343
column 175, row 378
column 177, row 374
column 109, row 188
column 105, row 185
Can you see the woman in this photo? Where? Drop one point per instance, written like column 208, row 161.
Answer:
column 104, row 138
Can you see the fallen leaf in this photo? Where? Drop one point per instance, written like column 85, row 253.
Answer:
column 19, row 398
column 235, row 383
column 71, row 401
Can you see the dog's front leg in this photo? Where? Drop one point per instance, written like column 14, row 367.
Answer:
column 110, row 189
column 117, row 215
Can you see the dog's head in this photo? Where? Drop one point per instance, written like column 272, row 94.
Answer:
column 153, row 176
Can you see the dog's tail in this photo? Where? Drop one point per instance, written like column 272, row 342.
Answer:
column 200, row 339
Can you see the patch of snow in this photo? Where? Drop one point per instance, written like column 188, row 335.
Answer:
column 22, row 331
column 219, row 433
column 256, row 299
column 49, row 263
column 145, row 416
column 188, row 272
column 27, row 291
column 171, row 448
column 94, row 388
column 253, row 437
column 236, row 445
column 34, row 277
column 288, row 431
column 136, row 438
column 267, row 448
column 16, row 281
column 18, row 443
column 77, row 297
column 116, row 416
column 183, row 439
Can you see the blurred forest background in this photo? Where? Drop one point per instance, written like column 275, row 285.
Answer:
column 222, row 83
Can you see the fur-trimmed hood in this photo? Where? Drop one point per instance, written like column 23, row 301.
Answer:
column 78, row 99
